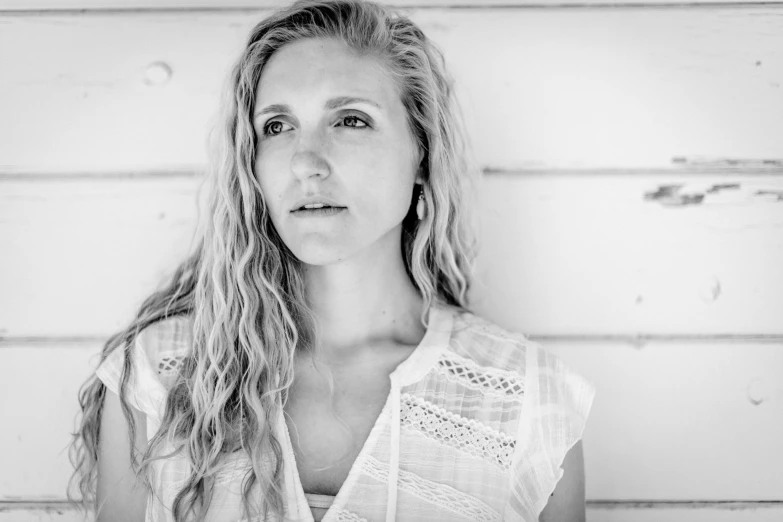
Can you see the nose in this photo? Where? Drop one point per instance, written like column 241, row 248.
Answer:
column 309, row 155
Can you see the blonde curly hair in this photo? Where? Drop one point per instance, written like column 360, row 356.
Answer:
column 244, row 289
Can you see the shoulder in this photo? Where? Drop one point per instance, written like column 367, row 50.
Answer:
column 545, row 401
column 485, row 357
column 154, row 357
column 487, row 344
column 172, row 334
column 165, row 344
column 509, row 361
column 155, row 354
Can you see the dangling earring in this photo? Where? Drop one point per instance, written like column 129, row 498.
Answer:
column 420, row 206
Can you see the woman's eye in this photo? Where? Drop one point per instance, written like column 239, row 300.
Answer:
column 352, row 117
column 268, row 126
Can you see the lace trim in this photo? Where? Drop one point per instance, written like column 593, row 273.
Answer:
column 466, row 434
column 439, row 494
column 169, row 364
column 491, row 381
column 343, row 515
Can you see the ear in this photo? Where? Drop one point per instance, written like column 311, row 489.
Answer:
column 420, row 168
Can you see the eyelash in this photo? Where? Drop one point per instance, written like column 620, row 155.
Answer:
column 270, row 122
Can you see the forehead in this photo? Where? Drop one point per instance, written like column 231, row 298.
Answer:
column 324, row 65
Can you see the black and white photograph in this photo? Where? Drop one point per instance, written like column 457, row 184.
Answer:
column 391, row 261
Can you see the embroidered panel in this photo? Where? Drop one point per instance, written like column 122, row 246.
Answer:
column 343, row 515
column 466, row 434
column 168, row 365
column 490, row 381
column 438, row 494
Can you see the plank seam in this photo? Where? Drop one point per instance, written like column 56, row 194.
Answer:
column 64, row 505
column 32, row 176
column 637, row 342
column 741, row 169
column 728, row 505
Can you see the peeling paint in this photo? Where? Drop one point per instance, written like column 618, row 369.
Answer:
column 669, row 196
column 638, row 342
column 722, row 186
column 675, row 195
column 777, row 194
column 699, row 161
column 723, row 505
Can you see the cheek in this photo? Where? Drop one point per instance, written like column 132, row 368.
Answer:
column 389, row 196
column 270, row 192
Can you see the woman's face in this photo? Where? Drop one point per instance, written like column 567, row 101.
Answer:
column 357, row 154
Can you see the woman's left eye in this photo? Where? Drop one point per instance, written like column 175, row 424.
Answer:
column 354, row 117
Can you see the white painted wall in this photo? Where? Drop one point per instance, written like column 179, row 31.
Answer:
column 631, row 213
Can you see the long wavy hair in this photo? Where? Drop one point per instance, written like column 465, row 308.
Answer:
column 244, row 289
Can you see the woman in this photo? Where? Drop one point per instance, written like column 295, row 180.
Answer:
column 321, row 363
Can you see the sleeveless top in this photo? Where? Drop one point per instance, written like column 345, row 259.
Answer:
column 475, row 427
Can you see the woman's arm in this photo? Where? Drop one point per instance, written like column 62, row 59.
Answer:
column 567, row 503
column 120, row 493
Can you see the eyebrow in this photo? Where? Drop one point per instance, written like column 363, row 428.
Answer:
column 330, row 104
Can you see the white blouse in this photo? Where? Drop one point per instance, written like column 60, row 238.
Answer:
column 475, row 428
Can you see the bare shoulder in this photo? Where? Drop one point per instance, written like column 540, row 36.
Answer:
column 568, row 500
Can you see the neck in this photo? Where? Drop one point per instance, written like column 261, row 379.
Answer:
column 365, row 300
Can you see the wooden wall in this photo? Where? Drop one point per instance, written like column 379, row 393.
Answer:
column 632, row 214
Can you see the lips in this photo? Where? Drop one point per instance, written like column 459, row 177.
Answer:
column 315, row 199
column 316, row 212
column 316, row 208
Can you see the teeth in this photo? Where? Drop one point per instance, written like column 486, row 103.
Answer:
column 315, row 205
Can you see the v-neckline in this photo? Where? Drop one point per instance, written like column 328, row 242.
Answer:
column 411, row 369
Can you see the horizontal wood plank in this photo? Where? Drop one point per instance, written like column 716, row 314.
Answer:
column 682, row 421
column 633, row 255
column 672, row 421
column 751, row 512
column 565, row 88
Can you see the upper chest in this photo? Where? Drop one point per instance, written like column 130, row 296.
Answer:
column 328, row 430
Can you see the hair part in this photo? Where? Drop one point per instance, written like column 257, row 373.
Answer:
column 243, row 288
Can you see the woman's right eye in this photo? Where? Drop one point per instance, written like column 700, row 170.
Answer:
column 268, row 125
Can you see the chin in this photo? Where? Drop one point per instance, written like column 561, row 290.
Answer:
column 320, row 260
column 320, row 255
column 330, row 249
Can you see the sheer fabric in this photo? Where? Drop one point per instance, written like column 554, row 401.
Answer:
column 475, row 427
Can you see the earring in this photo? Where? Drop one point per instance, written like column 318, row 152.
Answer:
column 420, row 205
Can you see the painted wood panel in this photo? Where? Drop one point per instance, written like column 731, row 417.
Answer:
column 699, row 420
column 566, row 88
column 652, row 266
column 29, row 512
column 653, row 513
column 667, row 423
column 633, row 255
column 696, row 513
column 28, row 5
